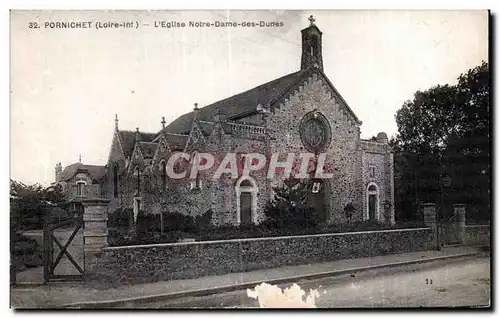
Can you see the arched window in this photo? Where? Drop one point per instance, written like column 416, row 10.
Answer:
column 163, row 167
column 80, row 188
column 115, row 180
column 314, row 46
column 137, row 173
column 195, row 183
column 246, row 183
column 372, row 202
column 81, row 181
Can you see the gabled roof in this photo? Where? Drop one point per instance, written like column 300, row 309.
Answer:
column 206, row 127
column 128, row 140
column 96, row 172
column 239, row 104
column 176, row 141
column 245, row 103
column 148, row 149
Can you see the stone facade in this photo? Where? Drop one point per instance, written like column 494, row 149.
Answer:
column 478, row 235
column 146, row 263
column 267, row 119
column 80, row 181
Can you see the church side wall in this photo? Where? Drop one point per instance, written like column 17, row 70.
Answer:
column 377, row 155
column 115, row 157
column 220, row 195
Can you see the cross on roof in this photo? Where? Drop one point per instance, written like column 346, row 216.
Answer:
column 312, row 19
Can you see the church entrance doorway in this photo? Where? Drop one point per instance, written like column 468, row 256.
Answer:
column 246, row 208
column 372, row 202
column 317, row 198
column 246, row 200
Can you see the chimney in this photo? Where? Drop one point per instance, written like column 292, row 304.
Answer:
column 196, row 106
column 163, row 122
column 116, row 121
column 137, row 135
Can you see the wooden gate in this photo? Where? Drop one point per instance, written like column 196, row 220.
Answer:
column 448, row 231
column 67, row 271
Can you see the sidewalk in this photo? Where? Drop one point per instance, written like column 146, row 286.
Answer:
column 79, row 294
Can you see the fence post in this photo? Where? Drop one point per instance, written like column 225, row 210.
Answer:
column 430, row 221
column 46, row 254
column 95, row 233
column 459, row 213
column 161, row 223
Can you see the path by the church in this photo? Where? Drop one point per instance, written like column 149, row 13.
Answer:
column 79, row 295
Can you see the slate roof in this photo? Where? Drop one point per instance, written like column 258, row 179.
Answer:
column 148, row 149
column 128, row 140
column 239, row 104
column 96, row 172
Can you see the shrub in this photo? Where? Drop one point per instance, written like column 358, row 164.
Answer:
column 292, row 218
column 147, row 222
column 204, row 220
column 290, row 209
column 175, row 221
column 125, row 237
column 121, row 218
column 349, row 210
column 25, row 252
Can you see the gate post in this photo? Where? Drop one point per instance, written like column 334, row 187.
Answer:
column 430, row 221
column 459, row 214
column 95, row 233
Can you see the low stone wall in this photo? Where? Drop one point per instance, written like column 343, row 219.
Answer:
column 477, row 235
column 146, row 263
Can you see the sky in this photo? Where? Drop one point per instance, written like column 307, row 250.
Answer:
column 67, row 84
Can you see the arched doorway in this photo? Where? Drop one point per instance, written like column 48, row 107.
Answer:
column 372, row 202
column 317, row 198
column 246, row 200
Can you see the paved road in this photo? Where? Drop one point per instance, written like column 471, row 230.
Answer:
column 464, row 282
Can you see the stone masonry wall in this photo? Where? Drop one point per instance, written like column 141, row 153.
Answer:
column 115, row 157
column 147, row 263
column 477, row 235
column 342, row 155
column 92, row 190
column 346, row 157
column 376, row 160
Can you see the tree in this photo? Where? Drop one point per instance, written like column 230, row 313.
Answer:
column 31, row 206
column 445, row 132
column 349, row 210
column 290, row 209
column 158, row 195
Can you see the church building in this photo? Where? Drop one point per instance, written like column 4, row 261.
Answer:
column 301, row 112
